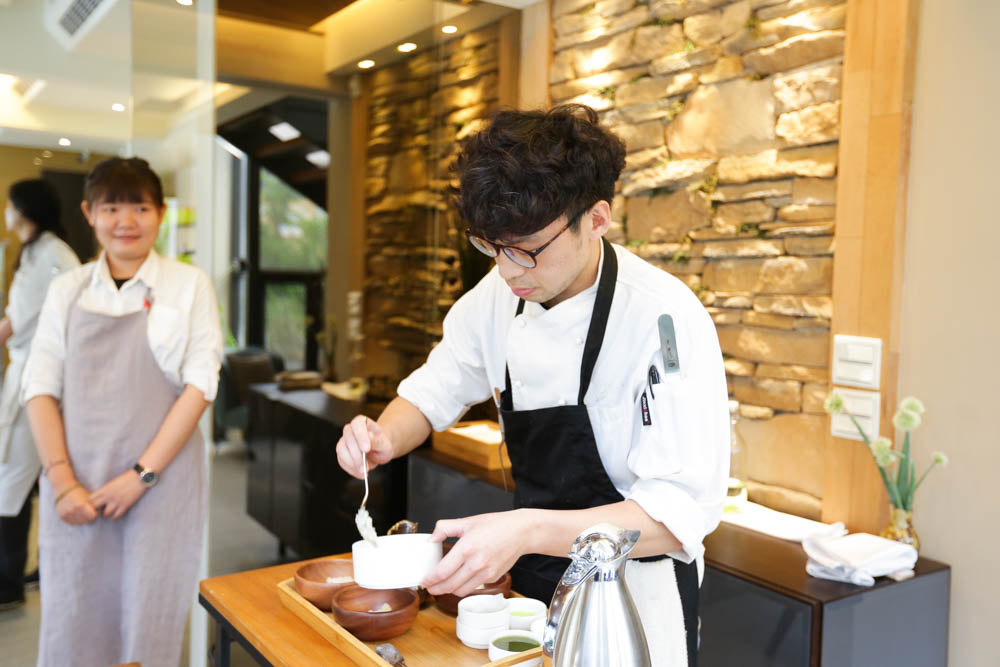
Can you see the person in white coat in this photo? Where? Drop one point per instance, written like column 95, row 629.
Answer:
column 606, row 370
column 32, row 214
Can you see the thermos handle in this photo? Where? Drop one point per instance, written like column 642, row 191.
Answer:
column 577, row 573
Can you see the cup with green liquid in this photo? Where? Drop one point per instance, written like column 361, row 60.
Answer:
column 511, row 642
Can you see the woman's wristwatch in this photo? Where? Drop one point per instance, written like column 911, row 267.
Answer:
column 146, row 476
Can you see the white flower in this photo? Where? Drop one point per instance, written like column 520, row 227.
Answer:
column 941, row 457
column 905, row 420
column 834, row 403
column 912, row 404
column 882, row 451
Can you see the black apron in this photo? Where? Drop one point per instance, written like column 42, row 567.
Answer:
column 556, row 465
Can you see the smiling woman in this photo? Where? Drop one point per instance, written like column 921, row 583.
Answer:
column 125, row 361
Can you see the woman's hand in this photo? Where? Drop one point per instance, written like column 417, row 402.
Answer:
column 75, row 507
column 364, row 443
column 487, row 547
column 118, row 495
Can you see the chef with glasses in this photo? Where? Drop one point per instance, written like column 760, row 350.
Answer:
column 606, row 370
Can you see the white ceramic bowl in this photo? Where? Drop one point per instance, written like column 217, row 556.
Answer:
column 496, row 653
column 399, row 561
column 484, row 611
column 477, row 637
column 524, row 612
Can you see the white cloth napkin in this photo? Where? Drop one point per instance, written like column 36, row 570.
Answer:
column 856, row 559
column 779, row 524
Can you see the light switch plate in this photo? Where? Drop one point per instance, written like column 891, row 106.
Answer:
column 865, row 406
column 857, row 361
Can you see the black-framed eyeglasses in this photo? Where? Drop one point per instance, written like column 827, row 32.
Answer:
column 520, row 256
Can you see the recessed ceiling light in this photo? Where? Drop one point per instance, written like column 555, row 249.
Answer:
column 117, row 107
column 319, row 158
column 186, row 3
column 37, row 162
column 449, row 29
column 406, row 47
column 284, row 131
column 46, row 153
column 63, row 141
column 366, row 64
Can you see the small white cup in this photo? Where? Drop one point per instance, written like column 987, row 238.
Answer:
column 538, row 626
column 524, row 611
column 496, row 653
column 484, row 611
column 476, row 637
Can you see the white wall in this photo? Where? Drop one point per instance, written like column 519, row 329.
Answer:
column 951, row 313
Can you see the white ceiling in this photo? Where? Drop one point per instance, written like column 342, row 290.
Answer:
column 143, row 54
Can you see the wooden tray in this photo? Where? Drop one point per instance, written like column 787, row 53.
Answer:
column 430, row 641
column 483, row 454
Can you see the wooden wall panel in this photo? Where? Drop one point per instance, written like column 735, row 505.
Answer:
column 871, row 222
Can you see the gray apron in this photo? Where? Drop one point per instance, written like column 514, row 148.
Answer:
column 118, row 591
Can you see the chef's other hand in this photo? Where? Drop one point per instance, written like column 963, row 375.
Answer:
column 118, row 495
column 488, row 546
column 364, row 443
column 75, row 507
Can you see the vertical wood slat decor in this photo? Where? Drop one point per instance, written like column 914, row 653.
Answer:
column 876, row 110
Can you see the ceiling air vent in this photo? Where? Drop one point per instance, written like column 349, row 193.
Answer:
column 70, row 20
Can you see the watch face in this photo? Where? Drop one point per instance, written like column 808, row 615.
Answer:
column 148, row 478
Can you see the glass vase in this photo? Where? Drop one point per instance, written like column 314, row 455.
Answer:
column 900, row 527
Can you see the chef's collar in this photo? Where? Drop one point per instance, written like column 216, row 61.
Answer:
column 147, row 273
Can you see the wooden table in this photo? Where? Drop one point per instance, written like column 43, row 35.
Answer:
column 247, row 609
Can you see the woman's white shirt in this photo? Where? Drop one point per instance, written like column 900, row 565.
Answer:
column 183, row 328
column 674, row 463
column 41, row 261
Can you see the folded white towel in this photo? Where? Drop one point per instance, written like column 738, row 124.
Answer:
column 779, row 524
column 857, row 558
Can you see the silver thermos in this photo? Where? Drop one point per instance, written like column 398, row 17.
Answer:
column 592, row 619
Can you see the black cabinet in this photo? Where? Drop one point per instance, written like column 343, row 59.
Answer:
column 295, row 487
column 759, row 608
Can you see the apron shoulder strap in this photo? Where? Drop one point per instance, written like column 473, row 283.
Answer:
column 599, row 318
column 506, row 368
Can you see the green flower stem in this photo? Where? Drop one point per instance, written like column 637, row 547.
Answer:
column 860, row 430
column 924, row 476
column 903, row 479
column 893, row 492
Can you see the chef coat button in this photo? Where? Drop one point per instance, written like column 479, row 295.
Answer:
column 521, row 322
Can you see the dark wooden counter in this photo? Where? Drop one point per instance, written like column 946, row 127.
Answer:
column 295, row 487
column 759, row 607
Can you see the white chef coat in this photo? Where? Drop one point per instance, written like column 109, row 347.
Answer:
column 675, row 468
column 183, row 329
column 41, row 261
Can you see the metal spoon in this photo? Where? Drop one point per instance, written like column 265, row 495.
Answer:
column 363, row 519
column 390, row 654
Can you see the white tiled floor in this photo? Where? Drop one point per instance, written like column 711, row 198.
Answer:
column 236, row 543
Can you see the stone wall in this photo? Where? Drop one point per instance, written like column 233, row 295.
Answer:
column 418, row 111
column 730, row 113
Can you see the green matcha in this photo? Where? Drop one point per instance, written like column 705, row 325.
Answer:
column 515, row 644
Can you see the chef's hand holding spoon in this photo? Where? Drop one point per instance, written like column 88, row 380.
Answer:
column 364, row 442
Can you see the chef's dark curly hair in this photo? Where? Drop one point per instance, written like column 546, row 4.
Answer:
column 529, row 167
